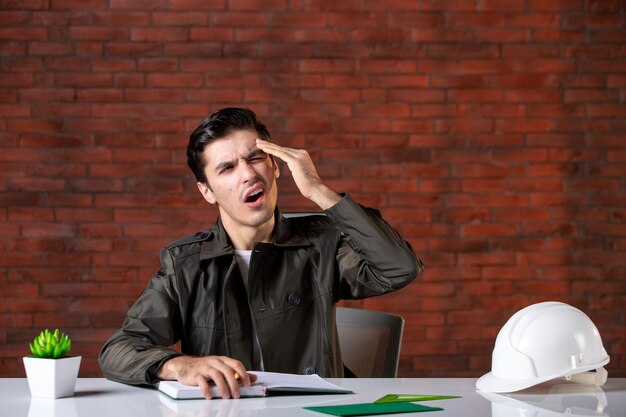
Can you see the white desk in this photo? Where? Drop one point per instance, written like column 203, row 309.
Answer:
column 100, row 398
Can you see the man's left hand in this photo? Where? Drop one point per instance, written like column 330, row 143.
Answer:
column 303, row 172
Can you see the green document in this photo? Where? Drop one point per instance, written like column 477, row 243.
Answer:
column 370, row 409
column 404, row 398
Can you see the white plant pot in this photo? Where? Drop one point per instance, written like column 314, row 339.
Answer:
column 51, row 378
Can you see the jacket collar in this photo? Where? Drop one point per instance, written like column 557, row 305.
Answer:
column 286, row 234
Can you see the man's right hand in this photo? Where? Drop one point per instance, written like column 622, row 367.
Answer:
column 226, row 373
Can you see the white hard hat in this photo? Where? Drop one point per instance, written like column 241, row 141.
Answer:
column 545, row 341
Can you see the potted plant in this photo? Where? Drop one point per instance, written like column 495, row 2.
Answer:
column 50, row 373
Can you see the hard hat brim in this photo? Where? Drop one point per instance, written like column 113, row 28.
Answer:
column 492, row 383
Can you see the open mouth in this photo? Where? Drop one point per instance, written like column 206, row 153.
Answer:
column 254, row 197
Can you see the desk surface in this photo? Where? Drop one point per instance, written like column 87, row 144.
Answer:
column 96, row 397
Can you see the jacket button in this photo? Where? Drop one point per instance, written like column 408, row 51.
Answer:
column 293, row 299
column 310, row 370
column 201, row 235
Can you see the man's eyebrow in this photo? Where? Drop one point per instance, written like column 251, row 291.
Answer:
column 255, row 152
column 224, row 164
column 252, row 154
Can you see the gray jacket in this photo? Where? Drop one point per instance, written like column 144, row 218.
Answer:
column 198, row 296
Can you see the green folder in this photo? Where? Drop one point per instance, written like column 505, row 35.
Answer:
column 403, row 398
column 370, row 409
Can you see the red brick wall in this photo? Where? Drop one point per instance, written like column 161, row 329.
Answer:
column 491, row 133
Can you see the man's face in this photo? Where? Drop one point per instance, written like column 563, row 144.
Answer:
column 241, row 179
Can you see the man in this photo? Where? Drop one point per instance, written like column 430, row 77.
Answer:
column 257, row 291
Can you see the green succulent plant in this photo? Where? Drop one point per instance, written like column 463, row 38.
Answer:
column 52, row 345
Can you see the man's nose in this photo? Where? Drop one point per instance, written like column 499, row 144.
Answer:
column 247, row 172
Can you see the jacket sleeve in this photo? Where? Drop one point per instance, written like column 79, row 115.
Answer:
column 133, row 353
column 372, row 257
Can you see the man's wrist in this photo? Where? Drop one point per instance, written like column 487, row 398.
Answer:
column 325, row 197
column 165, row 369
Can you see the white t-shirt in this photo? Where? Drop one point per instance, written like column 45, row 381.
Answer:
column 243, row 260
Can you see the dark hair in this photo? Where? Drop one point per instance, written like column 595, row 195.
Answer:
column 218, row 125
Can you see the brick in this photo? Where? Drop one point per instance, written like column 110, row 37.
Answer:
column 487, row 259
column 174, row 80
column 48, row 230
column 556, row 110
column 569, row 243
column 404, row 199
column 431, row 140
column 606, row 229
column 129, row 80
column 490, row 230
column 303, row 81
column 84, row 80
column 226, row 81
column 398, row 215
column 79, row 4
column 430, row 348
column 308, row 126
column 53, row 319
column 476, row 95
column 170, row 18
column 36, row 184
column 24, row 64
column 593, row 184
column 326, row 65
column 95, row 185
column 531, row 19
column 198, row 4
column 137, row 4
column 504, row 35
column 464, row 125
column 525, row 96
column 134, row 49
column 30, row 214
column 8, row 18
column 322, row 96
column 70, row 200
column 417, row 95
column 440, row 186
column 208, row 65
column 524, row 125
column 400, row 81
column 13, row 48
column 160, row 34
column 95, row 33
column 606, row 110
column 457, row 245
column 19, row 34
column 387, row 110
column 7, row 95
column 386, row 141
column 53, row 170
column 134, row 155
column 548, row 229
column 68, row 64
column 614, row 156
column 544, row 258
column 83, row 215
column 15, row 110
column 321, row 35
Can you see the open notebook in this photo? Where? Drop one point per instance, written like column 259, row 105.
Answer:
column 267, row 383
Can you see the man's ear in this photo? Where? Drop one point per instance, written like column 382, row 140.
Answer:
column 276, row 169
column 206, row 192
